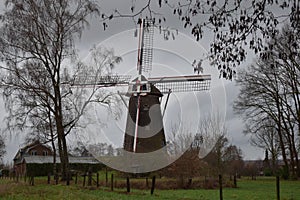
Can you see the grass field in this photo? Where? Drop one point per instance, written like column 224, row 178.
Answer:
column 260, row 189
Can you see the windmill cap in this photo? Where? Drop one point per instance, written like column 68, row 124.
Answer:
column 155, row 91
column 149, row 89
column 141, row 77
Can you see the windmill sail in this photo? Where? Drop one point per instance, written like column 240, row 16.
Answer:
column 181, row 83
column 146, row 46
column 100, row 81
column 144, row 131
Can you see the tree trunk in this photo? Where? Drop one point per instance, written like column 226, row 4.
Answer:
column 54, row 159
column 283, row 153
column 296, row 161
column 289, row 135
column 281, row 142
column 274, row 162
column 220, row 187
column 53, row 145
column 62, row 143
column 64, row 159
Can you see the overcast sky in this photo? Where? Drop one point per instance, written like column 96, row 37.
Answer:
column 171, row 57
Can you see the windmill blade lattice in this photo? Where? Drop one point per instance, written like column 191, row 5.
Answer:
column 181, row 83
column 101, row 81
column 146, row 46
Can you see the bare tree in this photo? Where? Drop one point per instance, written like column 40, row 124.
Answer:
column 2, row 148
column 196, row 150
column 267, row 138
column 210, row 129
column 37, row 38
column 269, row 92
column 184, row 145
column 224, row 158
column 79, row 149
column 180, row 140
column 215, row 157
column 233, row 159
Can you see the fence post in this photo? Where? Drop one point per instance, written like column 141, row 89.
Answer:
column 112, row 182
column 56, row 179
column 32, row 181
column 221, row 187
column 128, row 184
column 89, row 178
column 277, row 187
column 49, row 178
column 106, row 177
column 147, row 183
column 234, row 181
column 189, row 184
column 153, row 185
column 84, row 179
column 97, row 179
column 68, row 177
column 76, row 178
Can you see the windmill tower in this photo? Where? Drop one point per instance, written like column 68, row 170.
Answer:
column 146, row 134
column 144, row 131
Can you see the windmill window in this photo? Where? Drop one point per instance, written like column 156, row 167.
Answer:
column 33, row 152
column 146, row 107
column 144, row 87
column 134, row 88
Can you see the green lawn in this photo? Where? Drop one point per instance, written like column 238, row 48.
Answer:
column 247, row 190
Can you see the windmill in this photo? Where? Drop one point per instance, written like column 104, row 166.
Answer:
column 144, row 131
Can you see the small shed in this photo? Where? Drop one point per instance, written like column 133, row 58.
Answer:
column 43, row 165
column 37, row 159
column 31, row 150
